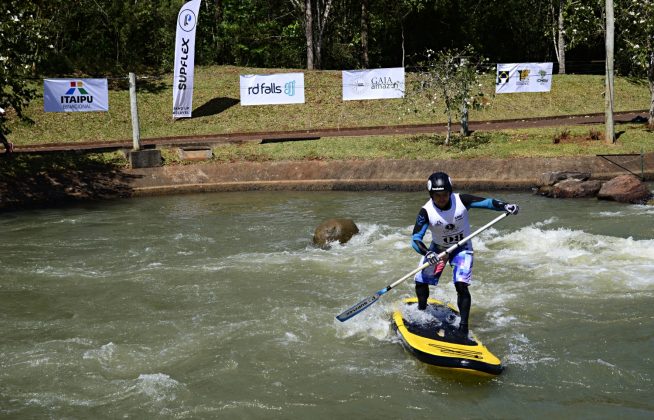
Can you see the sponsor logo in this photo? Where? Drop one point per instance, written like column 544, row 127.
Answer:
column 542, row 79
column 187, row 20
column 524, row 74
column 183, row 65
column 453, row 351
column 289, row 88
column 383, row 83
column 72, row 101
column 272, row 89
column 523, row 77
column 359, row 86
column 503, row 76
column 450, row 226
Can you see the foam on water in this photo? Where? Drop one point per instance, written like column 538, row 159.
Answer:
column 157, row 386
column 232, row 319
column 574, row 256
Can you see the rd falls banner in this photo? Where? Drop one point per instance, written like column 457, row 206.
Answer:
column 523, row 77
column 187, row 20
column 272, row 89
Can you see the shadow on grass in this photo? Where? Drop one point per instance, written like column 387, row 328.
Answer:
column 44, row 181
column 149, row 84
column 214, row 107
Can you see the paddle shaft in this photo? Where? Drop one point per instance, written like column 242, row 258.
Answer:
column 365, row 303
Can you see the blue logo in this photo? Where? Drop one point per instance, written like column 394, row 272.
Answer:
column 187, row 20
column 289, row 88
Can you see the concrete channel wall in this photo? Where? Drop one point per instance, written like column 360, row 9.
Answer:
column 399, row 175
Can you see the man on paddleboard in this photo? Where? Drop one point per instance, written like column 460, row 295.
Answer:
column 446, row 216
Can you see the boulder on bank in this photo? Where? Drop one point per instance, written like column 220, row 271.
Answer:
column 572, row 188
column 551, row 178
column 333, row 230
column 567, row 184
column 625, row 189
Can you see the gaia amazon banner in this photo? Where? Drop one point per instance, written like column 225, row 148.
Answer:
column 373, row 84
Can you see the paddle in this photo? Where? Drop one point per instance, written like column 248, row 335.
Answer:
column 365, row 303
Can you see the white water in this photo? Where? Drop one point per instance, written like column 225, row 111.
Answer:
column 218, row 306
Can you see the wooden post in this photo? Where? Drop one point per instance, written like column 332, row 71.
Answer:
column 609, row 129
column 136, row 130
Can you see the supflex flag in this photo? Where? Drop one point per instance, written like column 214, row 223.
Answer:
column 272, row 89
column 187, row 21
column 373, row 84
column 75, row 95
column 523, row 77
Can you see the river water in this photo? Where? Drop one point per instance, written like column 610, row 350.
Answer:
column 218, row 306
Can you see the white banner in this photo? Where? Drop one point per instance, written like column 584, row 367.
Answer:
column 75, row 95
column 187, row 21
column 373, row 84
column 272, row 89
column 523, row 77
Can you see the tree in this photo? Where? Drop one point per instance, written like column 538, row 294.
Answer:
column 315, row 16
column 573, row 23
column 636, row 21
column 450, row 76
column 23, row 40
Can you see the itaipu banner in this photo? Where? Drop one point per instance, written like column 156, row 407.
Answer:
column 75, row 95
column 187, row 21
column 523, row 77
column 272, row 89
column 373, row 84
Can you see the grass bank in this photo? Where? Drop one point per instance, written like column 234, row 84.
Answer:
column 542, row 142
column 217, row 110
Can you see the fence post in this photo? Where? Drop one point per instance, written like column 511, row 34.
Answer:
column 136, row 130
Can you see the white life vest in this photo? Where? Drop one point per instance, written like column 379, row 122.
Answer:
column 449, row 226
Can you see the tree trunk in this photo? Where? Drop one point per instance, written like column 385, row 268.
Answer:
column 403, row 51
column 465, row 129
column 609, row 129
column 308, row 33
column 448, row 137
column 322, row 18
column 218, row 13
column 364, row 34
column 650, row 79
column 561, row 55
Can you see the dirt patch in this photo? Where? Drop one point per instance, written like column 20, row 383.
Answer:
column 564, row 137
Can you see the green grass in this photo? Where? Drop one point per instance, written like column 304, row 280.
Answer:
column 634, row 138
column 217, row 92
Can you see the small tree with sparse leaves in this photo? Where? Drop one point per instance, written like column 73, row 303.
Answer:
column 449, row 78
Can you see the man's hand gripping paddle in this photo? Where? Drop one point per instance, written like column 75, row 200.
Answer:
column 365, row 303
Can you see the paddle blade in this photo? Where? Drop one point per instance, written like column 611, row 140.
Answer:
column 349, row 313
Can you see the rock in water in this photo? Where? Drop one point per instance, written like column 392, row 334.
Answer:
column 333, row 230
column 625, row 189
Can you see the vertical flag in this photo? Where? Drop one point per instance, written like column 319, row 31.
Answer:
column 187, row 20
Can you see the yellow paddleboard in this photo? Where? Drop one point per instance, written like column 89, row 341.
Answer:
column 433, row 338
